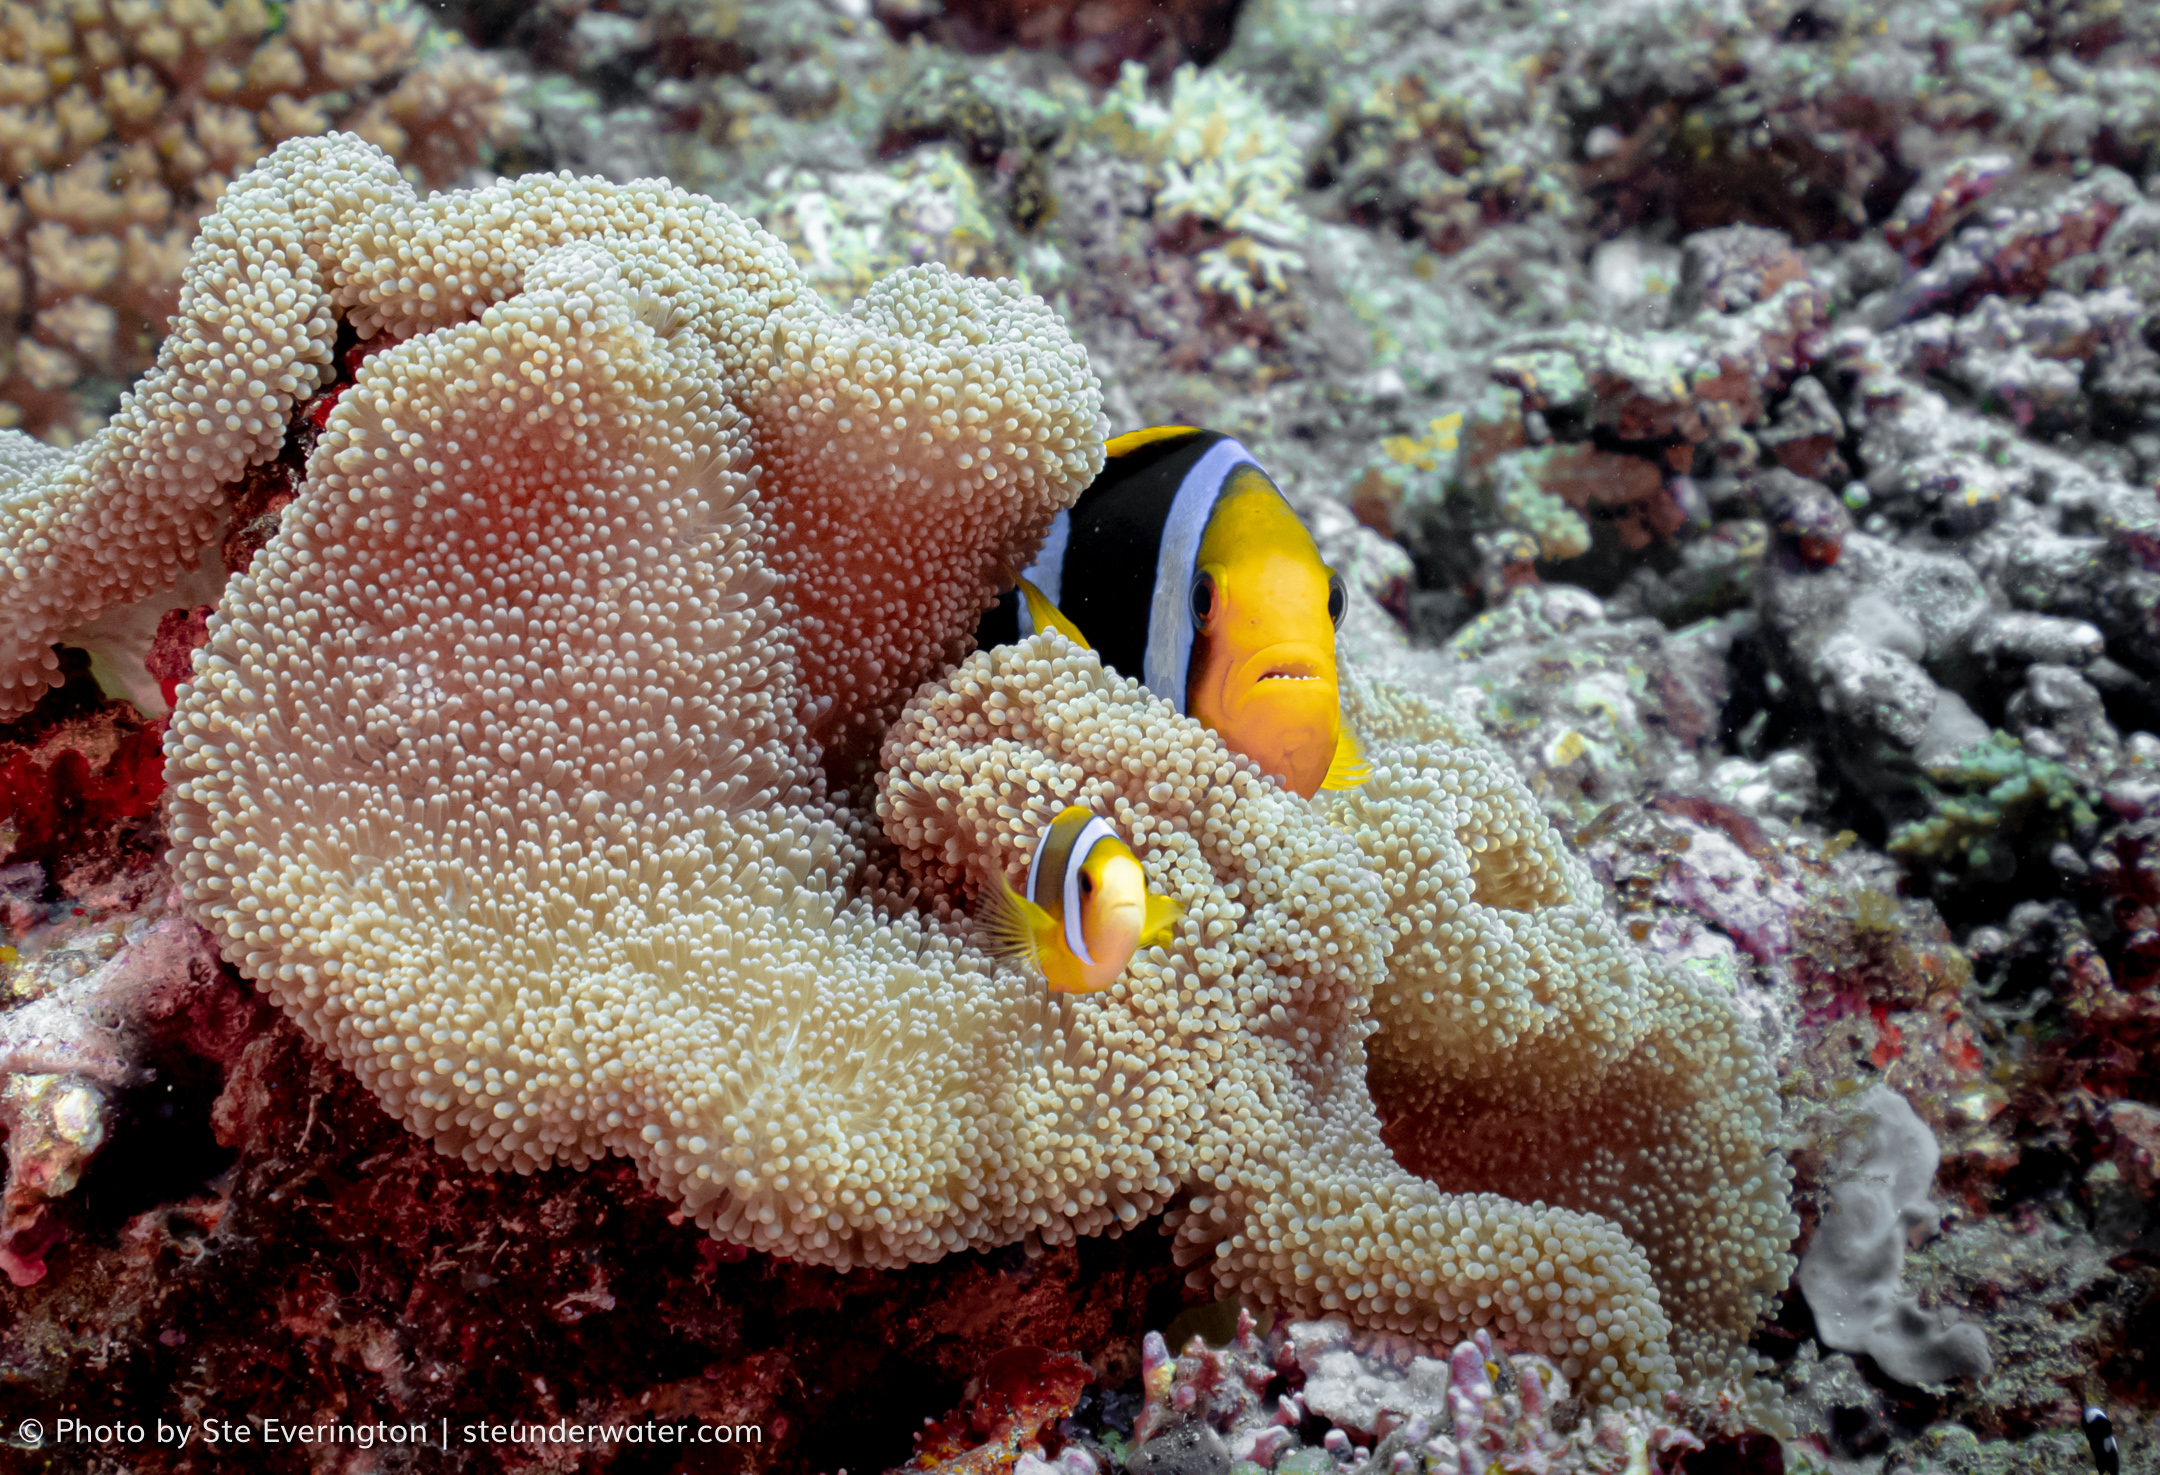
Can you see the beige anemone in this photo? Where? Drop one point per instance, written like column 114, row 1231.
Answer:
column 1240, row 1050
column 1526, row 1047
column 501, row 775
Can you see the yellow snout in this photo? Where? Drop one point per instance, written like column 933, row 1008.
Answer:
column 1280, row 707
column 1113, row 910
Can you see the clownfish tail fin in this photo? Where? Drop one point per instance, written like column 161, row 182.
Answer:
column 1348, row 768
column 1017, row 928
column 1162, row 915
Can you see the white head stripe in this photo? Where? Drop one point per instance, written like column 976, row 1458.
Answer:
column 1047, row 572
column 1170, row 628
column 1042, row 843
column 1093, row 833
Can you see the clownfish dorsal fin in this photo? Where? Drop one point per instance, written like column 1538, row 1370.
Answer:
column 1016, row 926
column 1048, row 616
column 1133, row 440
column 1348, row 768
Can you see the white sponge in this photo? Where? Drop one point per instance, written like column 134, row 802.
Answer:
column 1850, row 1273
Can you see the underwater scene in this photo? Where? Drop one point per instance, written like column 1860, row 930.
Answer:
column 1080, row 737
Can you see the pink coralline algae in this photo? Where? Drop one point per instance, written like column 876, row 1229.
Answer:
column 2010, row 251
column 70, row 1051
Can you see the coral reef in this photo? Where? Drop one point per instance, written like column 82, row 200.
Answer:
column 533, row 835
column 1319, row 1389
column 1738, row 430
column 1818, row 121
column 1222, row 167
column 1098, row 38
column 70, row 1046
column 1592, row 420
column 126, row 122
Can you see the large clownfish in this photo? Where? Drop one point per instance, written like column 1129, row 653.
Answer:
column 1185, row 566
column 1086, row 910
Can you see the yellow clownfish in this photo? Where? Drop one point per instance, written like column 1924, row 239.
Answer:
column 1087, row 909
column 1186, row 567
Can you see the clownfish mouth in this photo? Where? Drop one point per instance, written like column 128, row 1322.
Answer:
column 1286, row 681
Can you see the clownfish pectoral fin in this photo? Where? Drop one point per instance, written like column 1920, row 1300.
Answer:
column 1017, row 927
column 1048, row 616
column 1348, row 768
column 1162, row 915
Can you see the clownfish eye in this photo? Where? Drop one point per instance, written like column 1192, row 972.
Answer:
column 1338, row 598
column 1087, row 883
column 1203, row 600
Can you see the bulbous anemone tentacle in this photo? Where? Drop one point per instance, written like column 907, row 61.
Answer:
column 1525, row 1048
column 1257, row 1013
column 526, row 830
column 1337, row 1225
column 496, row 772
column 500, row 773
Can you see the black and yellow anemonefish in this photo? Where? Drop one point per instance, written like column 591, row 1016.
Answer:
column 1086, row 910
column 1185, row 566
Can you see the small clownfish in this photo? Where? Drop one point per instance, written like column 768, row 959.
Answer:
column 1087, row 909
column 1186, row 567
column 2100, row 1434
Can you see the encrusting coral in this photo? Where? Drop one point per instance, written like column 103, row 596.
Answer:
column 502, row 774
column 121, row 122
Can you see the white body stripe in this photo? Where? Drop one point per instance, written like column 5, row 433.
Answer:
column 1047, row 572
column 1093, row 833
column 1170, row 627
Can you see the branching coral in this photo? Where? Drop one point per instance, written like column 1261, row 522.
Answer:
column 851, row 227
column 123, row 121
column 1224, row 166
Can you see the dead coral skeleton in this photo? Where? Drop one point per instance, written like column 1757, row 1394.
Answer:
column 1387, row 1404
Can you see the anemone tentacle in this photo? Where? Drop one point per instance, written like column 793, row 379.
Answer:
column 505, row 773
